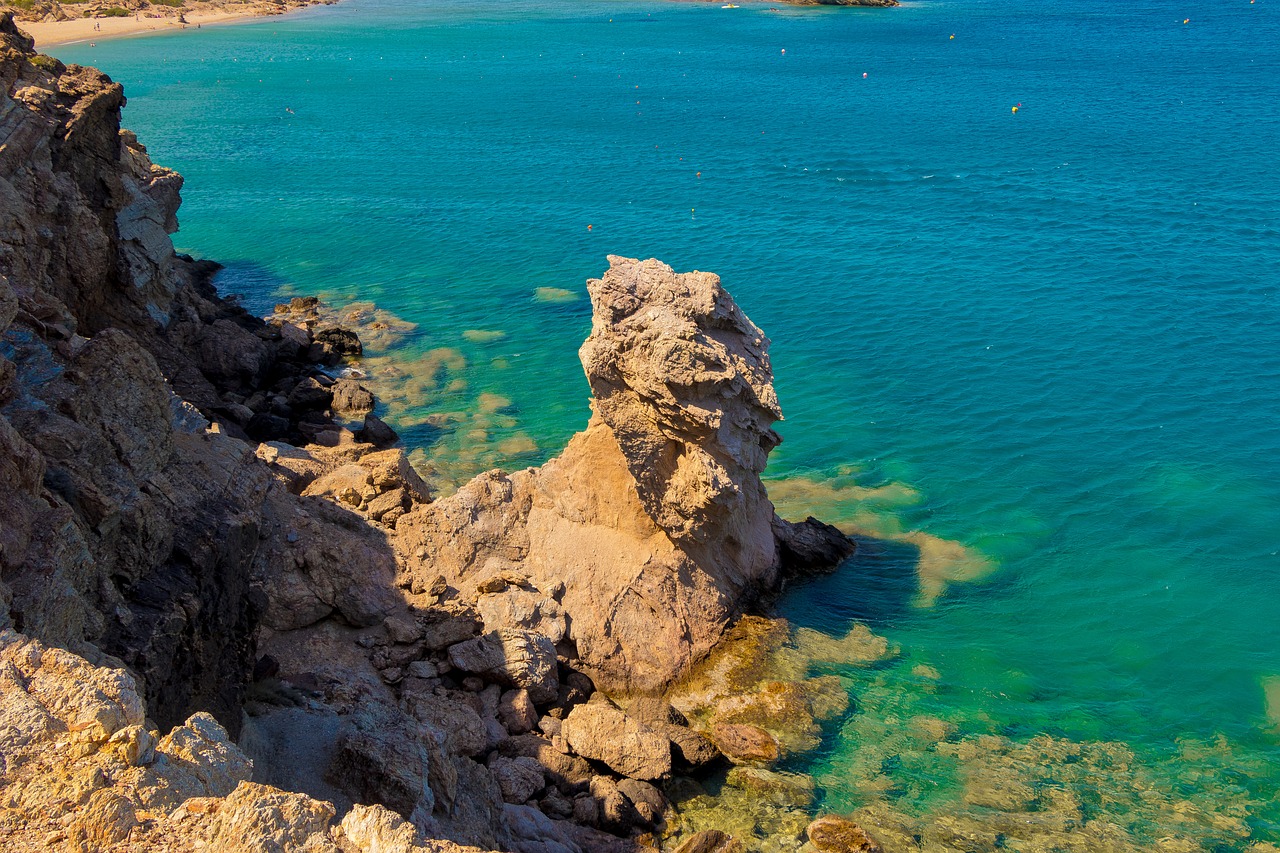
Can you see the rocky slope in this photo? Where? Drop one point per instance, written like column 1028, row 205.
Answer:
column 230, row 614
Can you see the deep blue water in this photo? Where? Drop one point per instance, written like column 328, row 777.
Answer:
column 1050, row 336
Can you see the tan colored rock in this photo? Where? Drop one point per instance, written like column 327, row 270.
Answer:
column 258, row 819
column 196, row 759
column 831, row 834
column 687, row 745
column 350, row 399
column 859, row 646
column 569, row 773
column 601, row 732
column 794, row 790
column 710, row 841
column 513, row 607
column 743, row 743
column 516, row 712
column 106, row 820
column 655, row 512
column 779, row 707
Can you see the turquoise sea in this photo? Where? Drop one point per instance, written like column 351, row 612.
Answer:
column 1034, row 354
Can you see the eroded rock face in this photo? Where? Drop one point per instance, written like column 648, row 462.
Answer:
column 682, row 380
column 653, row 523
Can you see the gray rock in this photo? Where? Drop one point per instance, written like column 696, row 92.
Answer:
column 386, row 763
column 648, row 800
column 423, row 669
column 586, row 810
column 464, row 731
column 351, row 398
column 310, row 394
column 514, row 657
column 556, row 805
column 519, row 778
column 449, row 630
column 516, row 712
column 376, row 432
column 534, row 832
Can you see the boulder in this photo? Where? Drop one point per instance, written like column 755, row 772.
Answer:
column 830, row 834
column 743, row 743
column 256, row 818
column 688, row 746
column 513, row 607
column 811, row 545
column 648, row 800
column 385, row 761
column 601, row 732
column 793, row 790
column 513, row 657
column 310, row 395
column 519, row 778
column 517, row 713
column 351, row 399
column 569, row 773
column 376, row 432
column 710, row 841
column 335, row 344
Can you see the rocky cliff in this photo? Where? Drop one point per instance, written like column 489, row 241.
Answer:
column 230, row 614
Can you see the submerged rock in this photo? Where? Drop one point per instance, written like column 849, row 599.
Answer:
column 741, row 742
column 838, row 835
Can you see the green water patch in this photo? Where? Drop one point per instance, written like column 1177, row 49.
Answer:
column 923, row 765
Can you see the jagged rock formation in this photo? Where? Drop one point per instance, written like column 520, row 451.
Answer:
column 142, row 539
column 655, row 513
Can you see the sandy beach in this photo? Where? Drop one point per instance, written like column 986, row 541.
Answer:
column 77, row 30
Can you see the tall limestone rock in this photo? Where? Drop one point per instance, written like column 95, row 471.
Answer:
column 652, row 527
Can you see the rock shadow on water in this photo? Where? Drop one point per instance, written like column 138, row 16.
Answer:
column 421, row 435
column 877, row 586
column 255, row 286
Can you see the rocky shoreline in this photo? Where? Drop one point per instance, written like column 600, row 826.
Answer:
column 232, row 617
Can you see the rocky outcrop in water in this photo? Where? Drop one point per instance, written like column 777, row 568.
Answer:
column 655, row 513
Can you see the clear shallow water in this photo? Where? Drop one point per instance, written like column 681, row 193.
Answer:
column 1050, row 336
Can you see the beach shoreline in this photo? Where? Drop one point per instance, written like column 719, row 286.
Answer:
column 49, row 34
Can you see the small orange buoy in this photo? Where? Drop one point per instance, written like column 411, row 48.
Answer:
column 588, row 227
